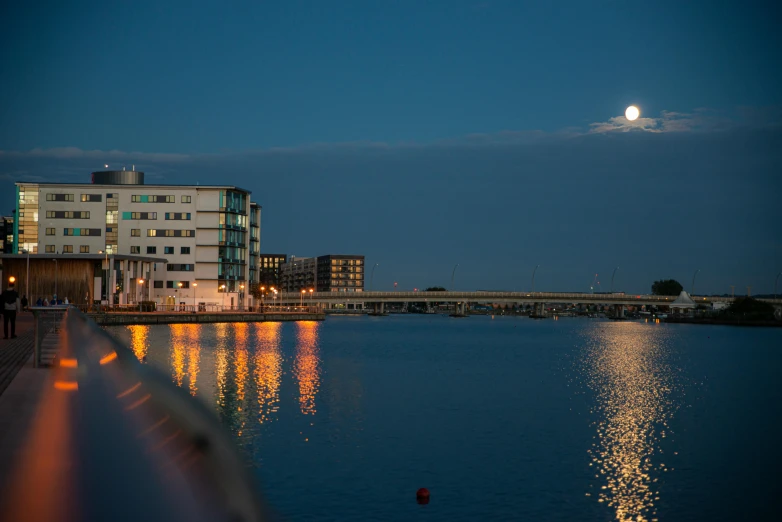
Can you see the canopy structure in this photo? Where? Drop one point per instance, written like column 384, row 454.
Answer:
column 683, row 301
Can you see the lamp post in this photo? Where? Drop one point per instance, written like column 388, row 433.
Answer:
column 775, row 284
column 274, row 298
column 612, row 279
column 222, row 287
column 141, row 282
column 372, row 277
column 241, row 297
column 179, row 285
column 533, row 279
column 311, row 291
column 692, row 288
column 195, row 289
column 301, row 298
column 263, row 291
column 453, row 274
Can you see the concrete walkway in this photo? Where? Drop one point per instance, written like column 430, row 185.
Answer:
column 21, row 387
column 15, row 352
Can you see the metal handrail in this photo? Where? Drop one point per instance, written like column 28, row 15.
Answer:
column 117, row 440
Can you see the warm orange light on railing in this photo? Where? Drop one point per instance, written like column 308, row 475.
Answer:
column 129, row 390
column 12, row 279
column 110, row 357
column 139, row 402
column 69, row 363
column 66, row 385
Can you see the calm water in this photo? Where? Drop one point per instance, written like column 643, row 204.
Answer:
column 502, row 419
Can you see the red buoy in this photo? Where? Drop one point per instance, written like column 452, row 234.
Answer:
column 422, row 496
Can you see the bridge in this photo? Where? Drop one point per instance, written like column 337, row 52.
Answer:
column 462, row 299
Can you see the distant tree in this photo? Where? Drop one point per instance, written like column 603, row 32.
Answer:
column 749, row 308
column 667, row 287
column 435, row 289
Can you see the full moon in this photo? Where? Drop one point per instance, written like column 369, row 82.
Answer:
column 632, row 113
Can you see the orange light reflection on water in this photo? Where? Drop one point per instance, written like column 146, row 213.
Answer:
column 185, row 354
column 178, row 352
column 241, row 369
column 193, row 355
column 138, row 340
column 221, row 361
column 268, row 370
column 307, row 365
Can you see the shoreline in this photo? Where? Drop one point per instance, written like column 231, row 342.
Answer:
column 718, row 321
column 141, row 318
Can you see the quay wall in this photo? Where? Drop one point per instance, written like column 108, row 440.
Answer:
column 110, row 319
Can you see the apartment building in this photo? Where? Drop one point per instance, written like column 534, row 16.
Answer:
column 7, row 234
column 269, row 269
column 208, row 235
column 298, row 273
column 340, row 273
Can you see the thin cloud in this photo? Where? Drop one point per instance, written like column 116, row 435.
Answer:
column 102, row 155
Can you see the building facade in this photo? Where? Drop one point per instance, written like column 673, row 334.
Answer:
column 269, row 269
column 6, row 234
column 298, row 273
column 205, row 233
column 255, row 243
column 340, row 273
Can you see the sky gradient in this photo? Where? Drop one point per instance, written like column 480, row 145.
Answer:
column 425, row 134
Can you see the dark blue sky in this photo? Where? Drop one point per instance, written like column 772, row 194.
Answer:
column 423, row 134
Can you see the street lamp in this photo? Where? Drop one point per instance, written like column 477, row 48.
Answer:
column 311, row 291
column 11, row 280
column 301, row 298
column 533, row 279
column 195, row 288
column 775, row 284
column 372, row 277
column 141, row 282
column 692, row 288
column 241, row 297
column 223, row 289
column 453, row 274
column 263, row 291
column 612, row 279
column 274, row 297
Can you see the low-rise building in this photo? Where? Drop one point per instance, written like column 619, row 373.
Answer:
column 206, row 233
column 340, row 273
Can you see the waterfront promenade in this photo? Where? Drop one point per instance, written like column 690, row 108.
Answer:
column 21, row 386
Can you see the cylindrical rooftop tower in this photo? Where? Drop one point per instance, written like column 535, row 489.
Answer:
column 118, row 177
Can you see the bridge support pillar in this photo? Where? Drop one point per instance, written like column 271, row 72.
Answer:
column 382, row 305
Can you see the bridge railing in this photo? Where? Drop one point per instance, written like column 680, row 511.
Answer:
column 116, row 440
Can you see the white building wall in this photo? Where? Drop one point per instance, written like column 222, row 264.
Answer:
column 204, row 207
